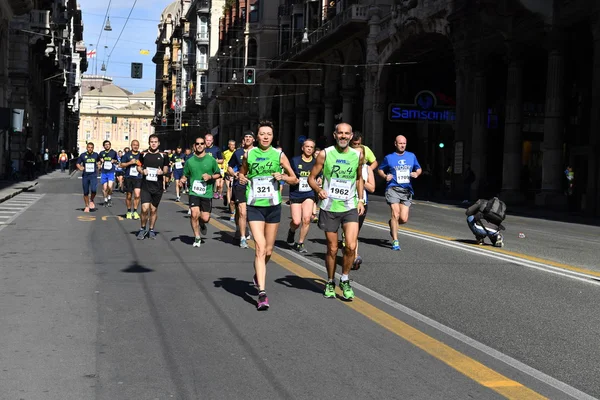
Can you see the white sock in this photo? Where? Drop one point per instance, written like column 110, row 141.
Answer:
column 344, row 278
column 105, row 199
column 109, row 197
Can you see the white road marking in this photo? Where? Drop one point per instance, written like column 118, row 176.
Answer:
column 20, row 210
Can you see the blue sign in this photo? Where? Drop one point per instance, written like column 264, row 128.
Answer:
column 425, row 108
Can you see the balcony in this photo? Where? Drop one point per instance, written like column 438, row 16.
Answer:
column 188, row 59
column 203, row 6
column 39, row 19
column 202, row 37
column 201, row 66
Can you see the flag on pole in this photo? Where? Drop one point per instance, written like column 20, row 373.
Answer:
column 144, row 52
column 91, row 54
column 191, row 88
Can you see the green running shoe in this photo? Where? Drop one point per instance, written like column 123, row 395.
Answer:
column 329, row 290
column 347, row 292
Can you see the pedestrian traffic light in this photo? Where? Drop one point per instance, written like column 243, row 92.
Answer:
column 249, row 76
column 114, row 119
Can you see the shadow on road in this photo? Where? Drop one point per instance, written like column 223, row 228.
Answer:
column 298, row 282
column 136, row 268
column 243, row 289
column 227, row 237
column 185, row 239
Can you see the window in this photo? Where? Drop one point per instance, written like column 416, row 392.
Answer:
column 203, row 28
column 252, row 52
column 202, row 84
column 254, row 10
column 88, row 135
column 107, row 135
column 202, row 58
column 126, row 138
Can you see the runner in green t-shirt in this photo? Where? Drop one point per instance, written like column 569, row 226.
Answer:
column 201, row 171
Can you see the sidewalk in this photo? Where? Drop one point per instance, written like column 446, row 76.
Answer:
column 9, row 189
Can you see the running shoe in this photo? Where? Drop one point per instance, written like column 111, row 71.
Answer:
column 203, row 229
column 290, row 238
column 110, row 202
column 197, row 242
column 243, row 243
column 301, row 248
column 356, row 264
column 152, row 234
column 135, row 215
column 347, row 292
column 232, row 218
column 249, row 235
column 215, row 195
column 395, row 245
column 499, row 242
column 329, row 290
column 263, row 302
column 128, row 215
column 142, row 234
column 105, row 204
column 177, row 199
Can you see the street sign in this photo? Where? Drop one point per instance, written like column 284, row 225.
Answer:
column 137, row 70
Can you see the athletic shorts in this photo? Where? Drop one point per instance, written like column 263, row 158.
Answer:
column 239, row 194
column 331, row 221
column 398, row 195
column 132, row 183
column 119, row 173
column 270, row 214
column 204, row 203
column 300, row 200
column 90, row 184
column 151, row 197
column 107, row 177
column 177, row 174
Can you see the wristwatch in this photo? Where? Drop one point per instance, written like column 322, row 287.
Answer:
column 361, row 201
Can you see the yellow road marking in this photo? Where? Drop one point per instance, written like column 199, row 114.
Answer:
column 86, row 218
column 478, row 372
column 496, row 250
column 106, row 217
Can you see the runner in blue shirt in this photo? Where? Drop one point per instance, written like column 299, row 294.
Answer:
column 88, row 164
column 119, row 173
column 238, row 190
column 398, row 168
column 108, row 161
column 178, row 161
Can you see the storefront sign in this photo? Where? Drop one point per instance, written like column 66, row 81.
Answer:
column 424, row 109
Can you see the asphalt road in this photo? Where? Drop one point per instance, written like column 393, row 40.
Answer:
column 88, row 312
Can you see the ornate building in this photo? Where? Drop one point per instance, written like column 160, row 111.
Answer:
column 109, row 112
column 42, row 57
column 510, row 86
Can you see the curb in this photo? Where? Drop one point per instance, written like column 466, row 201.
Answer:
column 17, row 191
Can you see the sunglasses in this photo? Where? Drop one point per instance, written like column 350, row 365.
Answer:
column 199, row 143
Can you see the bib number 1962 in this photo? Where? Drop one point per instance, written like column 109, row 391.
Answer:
column 340, row 189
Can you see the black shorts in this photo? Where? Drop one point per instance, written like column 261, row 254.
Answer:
column 270, row 214
column 239, row 194
column 300, row 200
column 202, row 202
column 151, row 197
column 331, row 221
column 119, row 173
column 132, row 183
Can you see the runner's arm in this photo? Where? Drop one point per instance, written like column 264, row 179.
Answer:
column 290, row 178
column 360, row 183
column 243, row 171
column 370, row 183
column 316, row 171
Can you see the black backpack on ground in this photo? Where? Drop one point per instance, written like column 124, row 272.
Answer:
column 495, row 212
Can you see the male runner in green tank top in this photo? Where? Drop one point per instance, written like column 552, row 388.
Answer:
column 341, row 201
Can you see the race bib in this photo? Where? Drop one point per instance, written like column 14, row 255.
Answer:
column 89, row 167
column 133, row 171
column 263, row 187
column 178, row 165
column 403, row 176
column 340, row 189
column 303, row 185
column 199, row 187
column 108, row 165
column 152, row 174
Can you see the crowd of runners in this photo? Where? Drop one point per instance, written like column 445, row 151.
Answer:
column 329, row 186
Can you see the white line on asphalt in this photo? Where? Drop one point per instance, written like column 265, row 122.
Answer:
column 21, row 211
column 524, row 368
column 499, row 256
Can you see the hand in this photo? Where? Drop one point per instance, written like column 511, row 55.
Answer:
column 160, row 172
column 144, row 172
column 414, row 175
column 389, row 177
column 277, row 176
column 206, row 177
column 361, row 208
column 322, row 194
column 182, row 182
column 243, row 180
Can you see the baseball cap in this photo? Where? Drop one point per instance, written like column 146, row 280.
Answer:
column 249, row 133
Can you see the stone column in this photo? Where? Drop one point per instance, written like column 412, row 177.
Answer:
column 238, row 132
column 313, row 120
column 552, row 164
column 329, row 123
column 376, row 135
column 592, row 200
column 513, row 147
column 287, row 135
column 479, row 129
column 347, row 99
column 298, row 130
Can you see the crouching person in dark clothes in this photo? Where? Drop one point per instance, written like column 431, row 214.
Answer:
column 485, row 220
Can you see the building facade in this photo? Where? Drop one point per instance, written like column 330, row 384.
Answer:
column 42, row 58
column 511, row 87
column 109, row 112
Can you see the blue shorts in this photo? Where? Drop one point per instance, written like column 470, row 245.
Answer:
column 90, row 183
column 107, row 176
column 178, row 174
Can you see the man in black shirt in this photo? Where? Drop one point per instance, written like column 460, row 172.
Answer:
column 153, row 165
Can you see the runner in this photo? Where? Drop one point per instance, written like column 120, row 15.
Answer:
column 227, row 178
column 398, row 168
column 133, row 180
column 108, row 159
column 201, row 171
column 341, row 204
column 369, row 156
column 315, row 216
column 187, row 155
column 302, row 197
column 153, row 165
column 167, row 177
column 238, row 189
column 261, row 171
column 215, row 152
column 88, row 164
column 119, row 173
column 178, row 161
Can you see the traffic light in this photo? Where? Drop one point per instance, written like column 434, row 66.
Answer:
column 114, row 119
column 249, row 76
column 137, row 70
column 441, row 145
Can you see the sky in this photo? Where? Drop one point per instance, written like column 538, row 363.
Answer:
column 139, row 34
